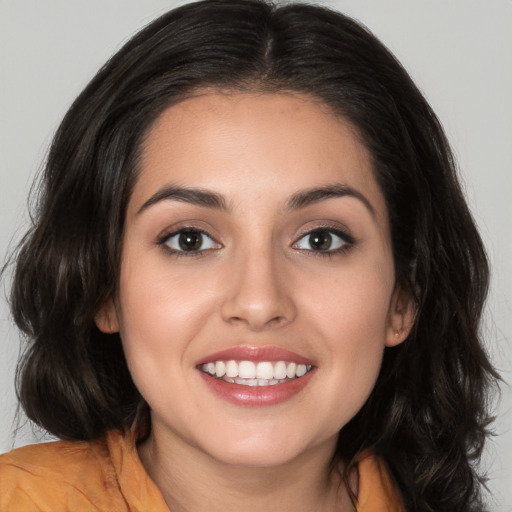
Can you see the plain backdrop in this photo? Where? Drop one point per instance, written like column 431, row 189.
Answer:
column 459, row 52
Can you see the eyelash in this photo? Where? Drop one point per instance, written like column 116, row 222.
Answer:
column 346, row 240
column 190, row 253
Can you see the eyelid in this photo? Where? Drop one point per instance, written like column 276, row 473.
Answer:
column 325, row 225
column 188, row 225
column 169, row 234
column 337, row 231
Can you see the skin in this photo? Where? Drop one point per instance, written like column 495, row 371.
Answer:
column 258, row 282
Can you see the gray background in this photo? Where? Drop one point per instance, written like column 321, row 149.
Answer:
column 459, row 52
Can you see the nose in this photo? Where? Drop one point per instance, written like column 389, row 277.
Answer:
column 258, row 293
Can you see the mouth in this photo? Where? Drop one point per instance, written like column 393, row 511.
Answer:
column 255, row 374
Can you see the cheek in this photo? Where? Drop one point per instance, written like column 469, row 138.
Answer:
column 350, row 315
column 163, row 312
column 153, row 285
column 353, row 305
column 160, row 315
column 151, row 306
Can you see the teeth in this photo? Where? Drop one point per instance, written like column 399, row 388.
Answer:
column 265, row 370
column 231, row 369
column 246, row 370
column 257, row 382
column 220, row 369
column 280, row 370
column 290, row 371
column 301, row 370
column 248, row 373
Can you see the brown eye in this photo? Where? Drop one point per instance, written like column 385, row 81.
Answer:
column 190, row 240
column 320, row 241
column 324, row 241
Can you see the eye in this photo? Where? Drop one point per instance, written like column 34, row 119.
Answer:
column 324, row 240
column 189, row 240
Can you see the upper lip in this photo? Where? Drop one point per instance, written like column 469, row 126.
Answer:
column 255, row 354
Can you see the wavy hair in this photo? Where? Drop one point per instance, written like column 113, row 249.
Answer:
column 427, row 415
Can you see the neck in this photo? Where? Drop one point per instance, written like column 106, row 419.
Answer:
column 191, row 480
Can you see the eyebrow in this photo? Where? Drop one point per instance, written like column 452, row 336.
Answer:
column 312, row 196
column 209, row 199
column 197, row 196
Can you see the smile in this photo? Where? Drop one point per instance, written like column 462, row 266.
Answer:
column 253, row 374
column 256, row 376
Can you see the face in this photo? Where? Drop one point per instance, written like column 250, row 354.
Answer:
column 257, row 289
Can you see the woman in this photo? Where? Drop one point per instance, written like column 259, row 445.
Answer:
column 252, row 280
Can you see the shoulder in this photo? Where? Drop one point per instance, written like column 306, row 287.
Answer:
column 376, row 487
column 51, row 476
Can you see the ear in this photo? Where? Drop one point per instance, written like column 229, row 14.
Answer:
column 106, row 318
column 402, row 313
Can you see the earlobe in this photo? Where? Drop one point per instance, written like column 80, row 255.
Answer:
column 402, row 314
column 106, row 318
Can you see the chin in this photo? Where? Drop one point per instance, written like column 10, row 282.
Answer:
column 263, row 451
column 258, row 457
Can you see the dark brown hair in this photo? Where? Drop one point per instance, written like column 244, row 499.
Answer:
column 427, row 415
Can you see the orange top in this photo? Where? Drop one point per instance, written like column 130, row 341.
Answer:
column 108, row 476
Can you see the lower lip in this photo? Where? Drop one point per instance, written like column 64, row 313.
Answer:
column 256, row 396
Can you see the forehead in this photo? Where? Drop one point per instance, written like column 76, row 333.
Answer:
column 272, row 142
